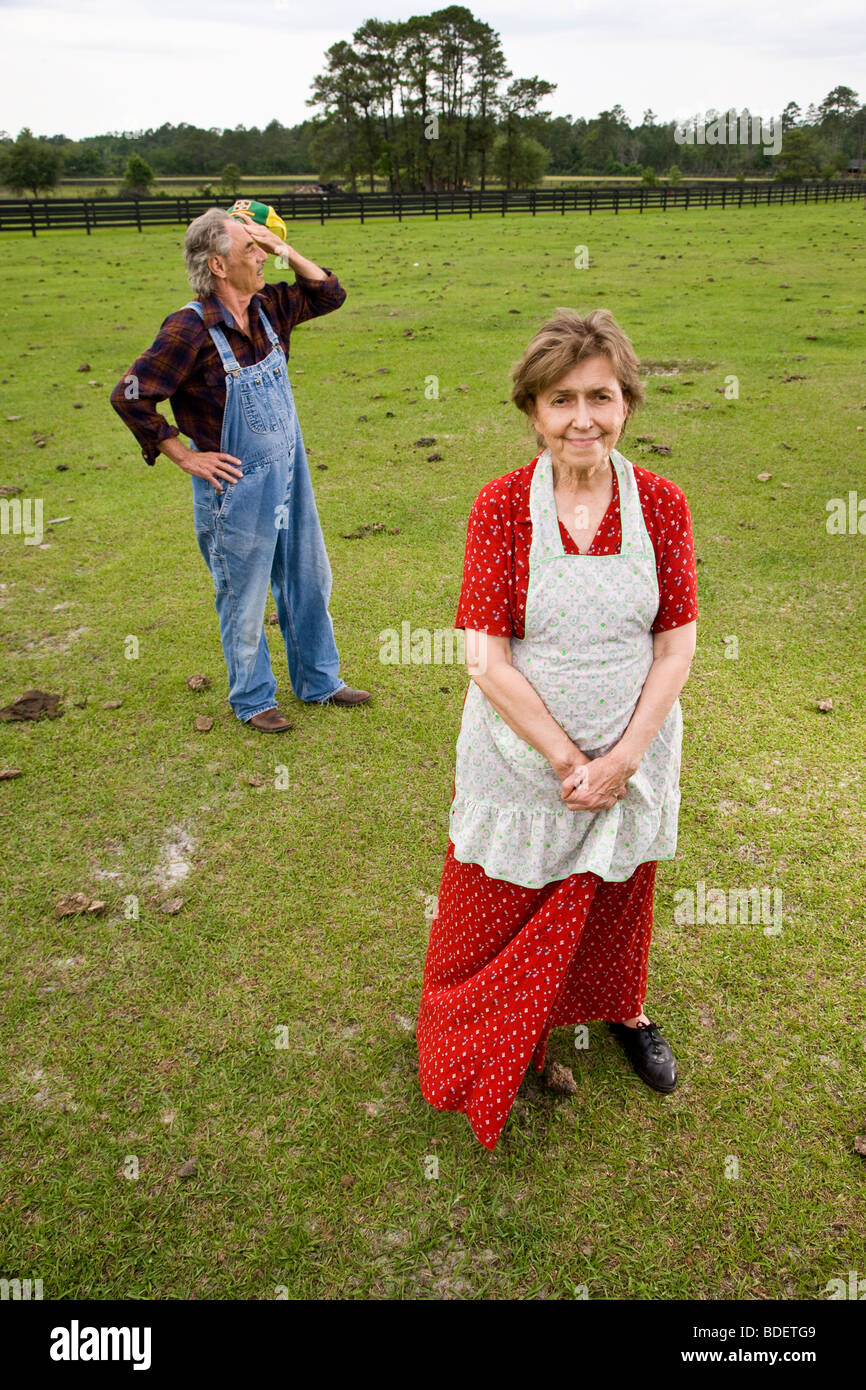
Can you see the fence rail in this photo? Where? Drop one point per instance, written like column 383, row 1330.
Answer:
column 90, row 214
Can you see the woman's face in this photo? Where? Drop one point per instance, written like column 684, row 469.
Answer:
column 581, row 416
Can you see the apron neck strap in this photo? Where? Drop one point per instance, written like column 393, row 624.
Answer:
column 635, row 538
column 546, row 538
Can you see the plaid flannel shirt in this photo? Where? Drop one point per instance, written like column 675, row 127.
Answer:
column 183, row 366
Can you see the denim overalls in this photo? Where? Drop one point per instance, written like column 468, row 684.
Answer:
column 264, row 530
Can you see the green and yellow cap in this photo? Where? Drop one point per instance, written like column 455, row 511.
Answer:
column 261, row 213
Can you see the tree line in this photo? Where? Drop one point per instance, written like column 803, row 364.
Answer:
column 428, row 103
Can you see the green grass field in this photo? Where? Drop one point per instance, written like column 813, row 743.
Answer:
column 304, row 891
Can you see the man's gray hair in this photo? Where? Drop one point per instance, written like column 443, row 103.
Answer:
column 205, row 237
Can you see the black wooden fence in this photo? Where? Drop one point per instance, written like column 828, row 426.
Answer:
column 89, row 214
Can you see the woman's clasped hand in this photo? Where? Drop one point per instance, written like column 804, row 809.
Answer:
column 596, row 784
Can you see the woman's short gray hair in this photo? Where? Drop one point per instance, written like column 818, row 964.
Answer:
column 205, row 237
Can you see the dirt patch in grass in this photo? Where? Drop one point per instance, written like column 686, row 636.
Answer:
column 175, row 860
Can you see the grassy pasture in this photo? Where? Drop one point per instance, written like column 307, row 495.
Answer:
column 154, row 1038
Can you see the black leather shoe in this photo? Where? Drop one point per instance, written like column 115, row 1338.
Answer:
column 649, row 1054
column 347, row 696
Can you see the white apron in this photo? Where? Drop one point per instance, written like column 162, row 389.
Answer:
column 587, row 651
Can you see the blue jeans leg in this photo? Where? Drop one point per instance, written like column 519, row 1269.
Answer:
column 239, row 555
column 301, row 584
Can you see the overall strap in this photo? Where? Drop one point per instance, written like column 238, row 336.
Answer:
column 270, row 332
column 227, row 357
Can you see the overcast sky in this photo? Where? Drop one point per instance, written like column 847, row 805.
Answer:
column 99, row 65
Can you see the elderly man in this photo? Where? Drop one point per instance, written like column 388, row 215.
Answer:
column 221, row 361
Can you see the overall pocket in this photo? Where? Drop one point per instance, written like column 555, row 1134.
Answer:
column 251, row 477
column 257, row 403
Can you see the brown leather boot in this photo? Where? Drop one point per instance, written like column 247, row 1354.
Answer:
column 270, row 721
column 347, row 696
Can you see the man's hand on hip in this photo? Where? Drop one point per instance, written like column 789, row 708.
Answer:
column 211, row 466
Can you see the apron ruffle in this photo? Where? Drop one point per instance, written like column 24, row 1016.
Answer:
column 553, row 847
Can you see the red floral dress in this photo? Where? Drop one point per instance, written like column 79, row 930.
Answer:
column 506, row 963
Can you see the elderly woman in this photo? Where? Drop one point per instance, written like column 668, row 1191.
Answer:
column 579, row 607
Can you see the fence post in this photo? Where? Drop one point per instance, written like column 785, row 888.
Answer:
column 32, row 218
column 322, row 209
column 532, row 201
column 616, row 201
column 503, row 202
column 137, row 214
column 470, row 205
column 361, row 196
column 86, row 218
column 436, row 203
column 47, row 215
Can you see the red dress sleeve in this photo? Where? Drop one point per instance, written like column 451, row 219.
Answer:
column 670, row 529
column 484, row 603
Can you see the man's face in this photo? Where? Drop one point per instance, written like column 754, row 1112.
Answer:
column 242, row 267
